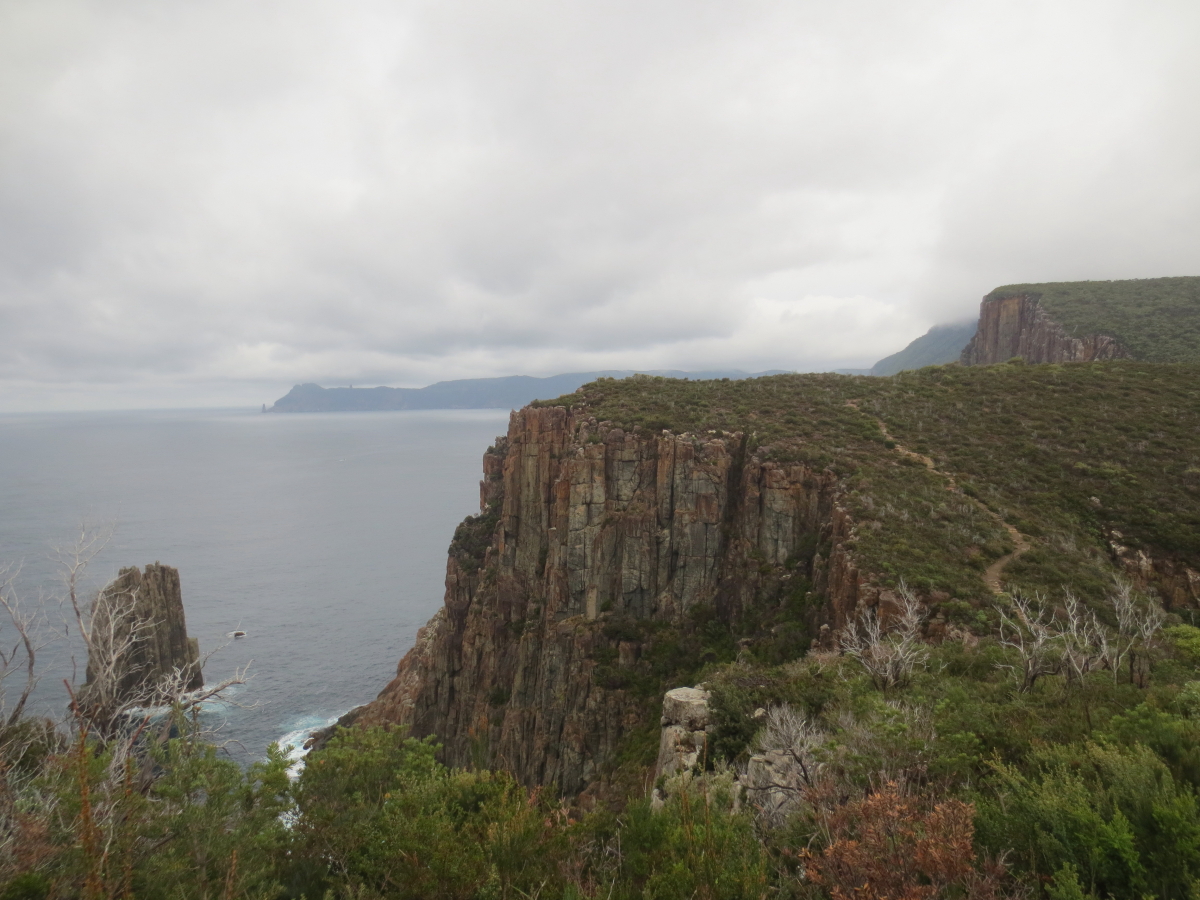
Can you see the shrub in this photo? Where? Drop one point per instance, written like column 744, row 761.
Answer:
column 379, row 816
column 893, row 846
column 1114, row 814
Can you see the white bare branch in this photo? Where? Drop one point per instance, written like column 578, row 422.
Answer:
column 890, row 657
column 787, row 763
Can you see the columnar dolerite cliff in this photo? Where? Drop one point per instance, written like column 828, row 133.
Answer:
column 145, row 610
column 733, row 520
column 1018, row 325
column 588, row 536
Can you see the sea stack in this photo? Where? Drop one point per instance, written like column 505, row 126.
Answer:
column 142, row 612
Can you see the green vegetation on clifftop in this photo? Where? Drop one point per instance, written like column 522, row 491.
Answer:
column 1156, row 319
column 1065, row 454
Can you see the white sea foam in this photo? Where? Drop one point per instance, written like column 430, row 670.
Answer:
column 292, row 743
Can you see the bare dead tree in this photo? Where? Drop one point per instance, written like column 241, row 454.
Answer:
column 31, row 636
column 787, row 764
column 110, row 633
column 114, row 705
column 795, row 737
column 74, row 560
column 1078, row 643
column 1084, row 639
column 122, row 709
column 1139, row 619
column 1124, row 607
column 889, row 655
column 1028, row 627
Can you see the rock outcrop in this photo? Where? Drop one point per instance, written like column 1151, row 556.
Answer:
column 139, row 635
column 589, row 538
column 1018, row 325
column 685, row 726
column 1177, row 584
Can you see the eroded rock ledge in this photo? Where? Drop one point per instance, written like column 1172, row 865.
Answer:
column 585, row 531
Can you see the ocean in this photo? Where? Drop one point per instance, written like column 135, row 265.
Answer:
column 322, row 536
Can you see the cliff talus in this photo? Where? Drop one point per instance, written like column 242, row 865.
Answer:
column 593, row 548
column 1018, row 325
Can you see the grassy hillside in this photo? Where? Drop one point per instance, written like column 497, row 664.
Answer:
column 1157, row 319
column 1034, row 444
column 940, row 345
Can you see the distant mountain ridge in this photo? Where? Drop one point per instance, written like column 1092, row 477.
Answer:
column 1152, row 319
column 509, row 392
column 941, row 344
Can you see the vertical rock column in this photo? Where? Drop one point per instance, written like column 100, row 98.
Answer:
column 139, row 636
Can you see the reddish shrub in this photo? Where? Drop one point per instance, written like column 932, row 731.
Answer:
column 891, row 846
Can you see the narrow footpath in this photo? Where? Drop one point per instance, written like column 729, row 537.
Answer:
column 994, row 573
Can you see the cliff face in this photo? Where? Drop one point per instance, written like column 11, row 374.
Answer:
column 145, row 610
column 1018, row 326
column 589, row 536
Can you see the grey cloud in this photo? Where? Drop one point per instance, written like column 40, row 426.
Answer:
column 223, row 199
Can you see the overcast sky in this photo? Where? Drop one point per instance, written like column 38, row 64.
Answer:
column 203, row 203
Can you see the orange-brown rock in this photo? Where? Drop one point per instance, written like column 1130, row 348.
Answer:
column 590, row 526
column 1018, row 325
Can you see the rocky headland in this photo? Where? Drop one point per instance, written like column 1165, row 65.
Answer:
column 589, row 538
column 600, row 547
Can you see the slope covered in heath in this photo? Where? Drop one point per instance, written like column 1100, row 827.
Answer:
column 1155, row 319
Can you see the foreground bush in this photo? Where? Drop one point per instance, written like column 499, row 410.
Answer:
column 178, row 822
column 1114, row 816
column 378, row 816
column 896, row 846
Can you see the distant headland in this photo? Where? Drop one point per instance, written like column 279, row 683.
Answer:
column 510, row 392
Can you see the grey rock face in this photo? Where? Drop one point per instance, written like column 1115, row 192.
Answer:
column 144, row 611
column 684, row 736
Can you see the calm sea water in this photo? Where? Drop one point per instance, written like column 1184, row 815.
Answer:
column 322, row 536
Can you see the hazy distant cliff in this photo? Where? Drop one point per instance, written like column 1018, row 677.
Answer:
column 589, row 537
column 1019, row 326
column 1152, row 319
column 508, row 392
column 940, row 345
